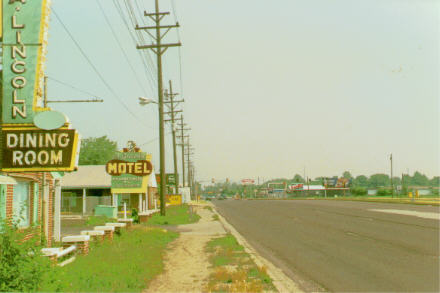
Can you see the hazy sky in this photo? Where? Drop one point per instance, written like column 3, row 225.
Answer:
column 270, row 87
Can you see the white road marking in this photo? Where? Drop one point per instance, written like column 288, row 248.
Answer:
column 426, row 215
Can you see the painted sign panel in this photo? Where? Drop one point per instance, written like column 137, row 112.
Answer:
column 25, row 25
column 247, row 181
column 171, row 179
column 130, row 172
column 39, row 150
column 174, row 199
column 138, row 168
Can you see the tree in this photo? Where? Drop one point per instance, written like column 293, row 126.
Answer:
column 435, row 181
column 377, row 180
column 420, row 179
column 347, row 175
column 397, row 181
column 298, row 179
column 360, row 181
column 96, row 150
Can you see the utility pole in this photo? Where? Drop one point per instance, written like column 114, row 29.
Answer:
column 182, row 144
column 159, row 49
column 391, row 178
column 172, row 113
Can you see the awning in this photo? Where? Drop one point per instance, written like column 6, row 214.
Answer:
column 7, row 180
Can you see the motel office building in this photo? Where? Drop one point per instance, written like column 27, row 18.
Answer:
column 90, row 186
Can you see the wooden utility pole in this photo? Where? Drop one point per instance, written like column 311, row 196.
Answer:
column 172, row 119
column 159, row 49
column 182, row 144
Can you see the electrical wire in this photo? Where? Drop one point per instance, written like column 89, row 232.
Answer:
column 72, row 87
column 94, row 67
column 147, row 69
column 173, row 7
column 153, row 140
column 135, row 23
column 120, row 46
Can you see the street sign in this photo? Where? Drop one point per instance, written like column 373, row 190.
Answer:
column 171, row 179
column 39, row 150
column 130, row 172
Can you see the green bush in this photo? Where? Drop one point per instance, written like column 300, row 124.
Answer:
column 22, row 265
column 383, row 192
column 358, row 191
column 135, row 216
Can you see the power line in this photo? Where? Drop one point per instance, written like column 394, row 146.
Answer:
column 120, row 46
column 94, row 67
column 72, row 87
column 147, row 69
column 173, row 7
column 140, row 36
column 153, row 140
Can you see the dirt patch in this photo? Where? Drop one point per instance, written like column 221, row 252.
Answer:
column 187, row 266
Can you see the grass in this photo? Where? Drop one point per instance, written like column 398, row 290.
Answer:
column 175, row 215
column 127, row 264
column 99, row 220
column 235, row 271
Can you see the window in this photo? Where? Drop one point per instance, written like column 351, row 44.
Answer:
column 21, row 203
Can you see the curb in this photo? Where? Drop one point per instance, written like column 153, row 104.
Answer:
column 280, row 280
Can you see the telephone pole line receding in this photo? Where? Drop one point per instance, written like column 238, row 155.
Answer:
column 182, row 144
column 172, row 113
column 159, row 49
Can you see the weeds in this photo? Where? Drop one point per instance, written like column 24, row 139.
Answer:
column 21, row 264
column 234, row 269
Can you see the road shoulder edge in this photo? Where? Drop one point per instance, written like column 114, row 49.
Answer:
column 280, row 280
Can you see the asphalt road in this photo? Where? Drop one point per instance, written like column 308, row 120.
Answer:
column 342, row 246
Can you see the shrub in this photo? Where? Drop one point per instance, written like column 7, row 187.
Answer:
column 21, row 263
column 383, row 192
column 358, row 191
column 135, row 216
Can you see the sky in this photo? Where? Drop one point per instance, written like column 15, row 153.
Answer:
column 271, row 88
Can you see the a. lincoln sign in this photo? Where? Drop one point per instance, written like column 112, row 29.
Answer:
column 39, row 150
column 33, row 138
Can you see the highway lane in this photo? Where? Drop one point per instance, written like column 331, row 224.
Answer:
column 342, row 246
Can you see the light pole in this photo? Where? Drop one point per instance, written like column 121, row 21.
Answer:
column 145, row 101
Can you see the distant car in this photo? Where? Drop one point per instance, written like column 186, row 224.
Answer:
column 221, row 197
